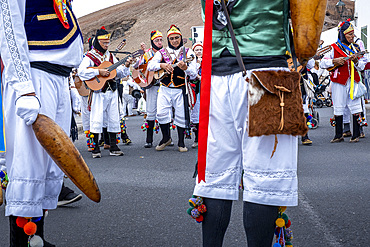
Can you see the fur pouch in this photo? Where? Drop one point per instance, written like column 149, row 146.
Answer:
column 275, row 104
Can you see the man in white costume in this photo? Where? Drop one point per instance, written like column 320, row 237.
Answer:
column 172, row 88
column 104, row 101
column 35, row 80
column 156, row 41
column 341, row 76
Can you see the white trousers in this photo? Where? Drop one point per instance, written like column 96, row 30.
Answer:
column 341, row 99
column 105, row 112
column 269, row 181
column 127, row 104
column 35, row 180
column 85, row 113
column 151, row 103
column 194, row 116
column 168, row 98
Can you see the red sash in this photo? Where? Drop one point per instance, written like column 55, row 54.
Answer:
column 344, row 71
column 206, row 92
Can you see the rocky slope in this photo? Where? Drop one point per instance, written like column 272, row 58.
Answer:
column 134, row 20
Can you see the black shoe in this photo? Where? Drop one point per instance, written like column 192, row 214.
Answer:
column 68, row 196
column 148, row 145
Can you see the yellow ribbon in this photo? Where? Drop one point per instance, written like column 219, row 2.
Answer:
column 351, row 90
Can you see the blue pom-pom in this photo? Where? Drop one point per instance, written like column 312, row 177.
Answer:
column 276, row 245
column 36, row 219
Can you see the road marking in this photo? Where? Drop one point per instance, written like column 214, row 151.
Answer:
column 316, row 221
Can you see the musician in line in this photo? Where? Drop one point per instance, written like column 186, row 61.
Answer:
column 37, row 64
column 172, row 88
column 341, row 79
column 104, row 101
column 156, row 39
column 194, row 116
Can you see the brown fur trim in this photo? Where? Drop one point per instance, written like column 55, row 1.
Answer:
column 275, row 104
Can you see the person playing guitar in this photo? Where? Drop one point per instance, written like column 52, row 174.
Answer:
column 345, row 63
column 104, row 101
column 156, row 39
column 171, row 92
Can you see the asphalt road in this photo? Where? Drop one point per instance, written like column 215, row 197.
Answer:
column 145, row 194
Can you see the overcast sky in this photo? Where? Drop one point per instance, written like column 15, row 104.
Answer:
column 84, row 7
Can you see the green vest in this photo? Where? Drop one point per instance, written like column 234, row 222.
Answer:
column 261, row 29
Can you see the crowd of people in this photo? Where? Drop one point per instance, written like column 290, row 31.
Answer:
column 39, row 78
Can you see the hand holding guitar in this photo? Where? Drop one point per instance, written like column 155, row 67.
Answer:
column 104, row 72
column 167, row 67
column 338, row 61
column 182, row 65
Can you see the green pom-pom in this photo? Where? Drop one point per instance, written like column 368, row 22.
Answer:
column 189, row 210
column 285, row 217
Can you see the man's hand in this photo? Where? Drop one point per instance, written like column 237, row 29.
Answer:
column 104, row 72
column 167, row 67
column 354, row 58
column 27, row 107
column 339, row 61
column 182, row 65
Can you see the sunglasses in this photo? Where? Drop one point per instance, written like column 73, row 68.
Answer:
column 105, row 43
column 173, row 38
column 157, row 40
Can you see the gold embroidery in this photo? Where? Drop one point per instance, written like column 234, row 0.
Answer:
column 47, row 17
column 58, row 42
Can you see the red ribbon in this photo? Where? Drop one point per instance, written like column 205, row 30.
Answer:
column 206, row 92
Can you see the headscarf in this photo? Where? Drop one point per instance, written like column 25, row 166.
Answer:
column 344, row 28
column 153, row 35
column 101, row 34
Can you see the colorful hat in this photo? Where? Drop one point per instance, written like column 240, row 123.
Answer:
column 346, row 27
column 197, row 44
column 155, row 34
column 173, row 30
column 102, row 34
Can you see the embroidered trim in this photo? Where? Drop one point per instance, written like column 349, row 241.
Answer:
column 10, row 39
column 58, row 42
column 22, row 203
column 23, row 180
column 270, row 192
column 47, row 17
column 220, row 186
column 271, row 174
column 222, row 173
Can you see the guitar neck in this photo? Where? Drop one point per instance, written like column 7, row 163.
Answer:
column 120, row 62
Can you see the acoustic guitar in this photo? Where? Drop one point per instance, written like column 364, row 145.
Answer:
column 358, row 54
column 98, row 82
column 81, row 87
column 159, row 74
column 142, row 76
column 319, row 53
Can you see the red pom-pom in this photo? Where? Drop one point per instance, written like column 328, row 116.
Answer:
column 102, row 28
column 30, row 228
column 199, row 219
column 288, row 224
column 20, row 221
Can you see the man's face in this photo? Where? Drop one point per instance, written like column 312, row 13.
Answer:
column 175, row 40
column 104, row 43
column 158, row 42
column 198, row 50
column 350, row 37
